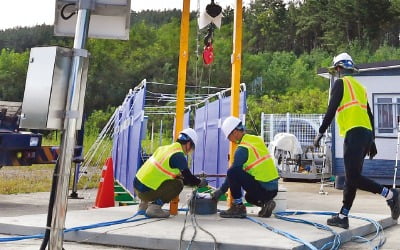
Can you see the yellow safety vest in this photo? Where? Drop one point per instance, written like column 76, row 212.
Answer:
column 352, row 111
column 156, row 169
column 259, row 163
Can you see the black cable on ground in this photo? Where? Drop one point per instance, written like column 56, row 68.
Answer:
column 51, row 205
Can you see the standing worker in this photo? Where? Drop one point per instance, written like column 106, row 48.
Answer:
column 160, row 180
column 356, row 124
column 252, row 169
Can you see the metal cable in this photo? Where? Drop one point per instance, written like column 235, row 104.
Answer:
column 191, row 204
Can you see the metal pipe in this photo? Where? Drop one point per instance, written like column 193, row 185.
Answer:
column 152, row 137
column 68, row 138
column 397, row 152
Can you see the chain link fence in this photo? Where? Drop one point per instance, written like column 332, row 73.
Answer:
column 304, row 127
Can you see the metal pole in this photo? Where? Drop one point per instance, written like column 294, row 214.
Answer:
column 262, row 127
column 236, row 61
column 397, row 152
column 70, row 121
column 152, row 137
column 160, row 134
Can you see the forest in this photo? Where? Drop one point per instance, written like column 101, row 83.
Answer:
column 284, row 44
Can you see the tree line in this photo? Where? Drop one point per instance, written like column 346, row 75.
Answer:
column 283, row 46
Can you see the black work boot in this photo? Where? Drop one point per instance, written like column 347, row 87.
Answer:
column 337, row 222
column 394, row 204
column 266, row 209
column 235, row 211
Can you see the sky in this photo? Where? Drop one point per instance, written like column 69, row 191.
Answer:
column 22, row 13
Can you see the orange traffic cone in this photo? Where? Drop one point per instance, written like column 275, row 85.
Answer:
column 105, row 193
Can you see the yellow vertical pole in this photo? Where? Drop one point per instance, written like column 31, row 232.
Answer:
column 236, row 61
column 180, row 92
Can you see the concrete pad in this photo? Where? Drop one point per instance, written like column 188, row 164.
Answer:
column 165, row 233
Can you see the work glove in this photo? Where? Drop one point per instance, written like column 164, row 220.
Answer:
column 317, row 139
column 372, row 151
column 216, row 194
column 203, row 182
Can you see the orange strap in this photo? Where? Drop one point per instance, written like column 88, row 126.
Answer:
column 354, row 101
column 252, row 148
column 254, row 164
column 259, row 159
column 159, row 165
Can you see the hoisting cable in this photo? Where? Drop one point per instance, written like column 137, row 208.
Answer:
column 191, row 204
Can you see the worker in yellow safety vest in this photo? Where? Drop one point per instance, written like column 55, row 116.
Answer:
column 252, row 169
column 162, row 177
column 349, row 102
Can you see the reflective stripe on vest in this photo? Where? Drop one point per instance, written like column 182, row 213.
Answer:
column 156, row 169
column 354, row 101
column 259, row 162
column 259, row 159
column 352, row 111
column 160, row 167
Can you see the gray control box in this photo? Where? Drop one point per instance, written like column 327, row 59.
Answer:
column 46, row 88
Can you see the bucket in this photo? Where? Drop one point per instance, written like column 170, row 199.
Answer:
column 203, row 206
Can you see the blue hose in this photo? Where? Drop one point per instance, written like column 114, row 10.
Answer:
column 333, row 245
column 283, row 233
column 73, row 229
column 336, row 242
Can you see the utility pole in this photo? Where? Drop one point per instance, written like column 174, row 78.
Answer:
column 70, row 123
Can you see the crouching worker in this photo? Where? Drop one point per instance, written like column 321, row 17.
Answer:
column 252, row 169
column 163, row 175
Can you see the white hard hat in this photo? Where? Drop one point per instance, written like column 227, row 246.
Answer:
column 189, row 132
column 343, row 60
column 229, row 125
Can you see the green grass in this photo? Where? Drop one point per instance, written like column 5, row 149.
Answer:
column 147, row 145
column 25, row 179
column 35, row 178
column 38, row 178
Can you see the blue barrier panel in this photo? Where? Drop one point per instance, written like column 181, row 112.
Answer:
column 124, row 137
column 198, row 155
column 211, row 154
column 135, row 140
column 127, row 138
column 212, row 134
column 115, row 149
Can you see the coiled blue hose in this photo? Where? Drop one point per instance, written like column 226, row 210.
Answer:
column 336, row 242
column 283, row 233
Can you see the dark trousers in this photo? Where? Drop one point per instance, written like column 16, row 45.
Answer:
column 168, row 190
column 356, row 145
column 255, row 193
